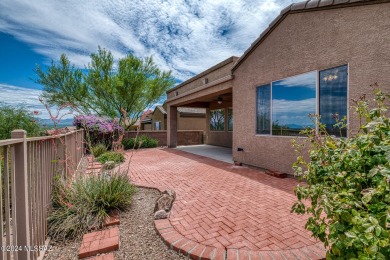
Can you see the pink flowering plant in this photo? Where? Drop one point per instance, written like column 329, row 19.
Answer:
column 100, row 129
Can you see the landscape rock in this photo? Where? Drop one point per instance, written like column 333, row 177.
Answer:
column 161, row 214
column 165, row 201
column 171, row 193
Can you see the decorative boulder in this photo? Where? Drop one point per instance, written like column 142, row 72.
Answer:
column 170, row 193
column 161, row 214
column 164, row 203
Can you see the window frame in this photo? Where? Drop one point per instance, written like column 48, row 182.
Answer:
column 231, row 109
column 317, row 100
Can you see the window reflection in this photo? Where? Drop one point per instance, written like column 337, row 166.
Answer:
column 292, row 100
column 230, row 119
column 264, row 109
column 333, row 98
column 217, row 120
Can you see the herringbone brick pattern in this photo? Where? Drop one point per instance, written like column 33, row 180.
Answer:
column 225, row 206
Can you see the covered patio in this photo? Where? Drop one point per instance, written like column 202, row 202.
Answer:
column 211, row 89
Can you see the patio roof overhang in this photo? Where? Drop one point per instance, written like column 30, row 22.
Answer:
column 202, row 96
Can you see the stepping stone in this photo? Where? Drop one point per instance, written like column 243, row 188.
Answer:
column 95, row 166
column 92, row 171
column 109, row 256
column 99, row 242
column 112, row 220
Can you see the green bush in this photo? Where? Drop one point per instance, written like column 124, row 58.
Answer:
column 348, row 185
column 142, row 141
column 12, row 118
column 86, row 203
column 98, row 150
column 111, row 156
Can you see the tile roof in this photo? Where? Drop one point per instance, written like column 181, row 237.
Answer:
column 161, row 108
column 305, row 6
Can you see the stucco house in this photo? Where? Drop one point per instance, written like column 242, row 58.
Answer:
column 313, row 58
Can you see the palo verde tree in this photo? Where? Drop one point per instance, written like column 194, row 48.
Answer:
column 121, row 90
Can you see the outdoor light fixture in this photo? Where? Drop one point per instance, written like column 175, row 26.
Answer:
column 219, row 100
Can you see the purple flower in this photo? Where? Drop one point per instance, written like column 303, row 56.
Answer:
column 101, row 125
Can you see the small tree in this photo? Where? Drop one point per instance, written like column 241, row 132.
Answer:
column 127, row 90
column 347, row 195
column 12, row 118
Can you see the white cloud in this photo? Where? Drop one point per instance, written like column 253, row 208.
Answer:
column 308, row 80
column 183, row 35
column 29, row 98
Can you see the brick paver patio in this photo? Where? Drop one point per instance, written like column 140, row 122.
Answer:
column 237, row 209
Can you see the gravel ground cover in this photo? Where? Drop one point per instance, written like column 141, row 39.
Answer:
column 138, row 238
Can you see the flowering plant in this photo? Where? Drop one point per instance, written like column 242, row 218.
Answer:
column 102, row 125
column 101, row 129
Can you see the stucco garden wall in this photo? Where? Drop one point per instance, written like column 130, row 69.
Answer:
column 183, row 137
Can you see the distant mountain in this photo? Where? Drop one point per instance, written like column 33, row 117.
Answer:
column 49, row 123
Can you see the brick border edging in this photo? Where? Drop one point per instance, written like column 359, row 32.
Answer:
column 175, row 241
column 197, row 251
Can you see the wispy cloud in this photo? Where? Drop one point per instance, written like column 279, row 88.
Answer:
column 184, row 36
column 29, row 98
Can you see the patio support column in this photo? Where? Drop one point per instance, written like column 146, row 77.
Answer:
column 206, row 141
column 172, row 126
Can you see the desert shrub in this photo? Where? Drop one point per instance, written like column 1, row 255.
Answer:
column 100, row 129
column 142, row 141
column 98, row 150
column 111, row 157
column 348, row 185
column 12, row 118
column 86, row 202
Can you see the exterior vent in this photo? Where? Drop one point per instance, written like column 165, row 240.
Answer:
column 176, row 93
column 205, row 81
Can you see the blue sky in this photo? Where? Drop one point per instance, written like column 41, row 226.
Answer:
column 184, row 36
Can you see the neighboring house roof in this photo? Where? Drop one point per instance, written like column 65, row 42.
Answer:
column 191, row 110
column 161, row 108
column 305, row 6
column 204, row 73
column 146, row 116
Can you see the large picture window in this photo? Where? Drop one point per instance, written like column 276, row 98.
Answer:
column 217, row 120
column 284, row 105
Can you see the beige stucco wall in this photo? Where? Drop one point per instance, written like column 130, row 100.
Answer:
column 303, row 42
column 191, row 123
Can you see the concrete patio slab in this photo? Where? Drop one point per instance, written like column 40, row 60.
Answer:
column 219, row 153
column 220, row 206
